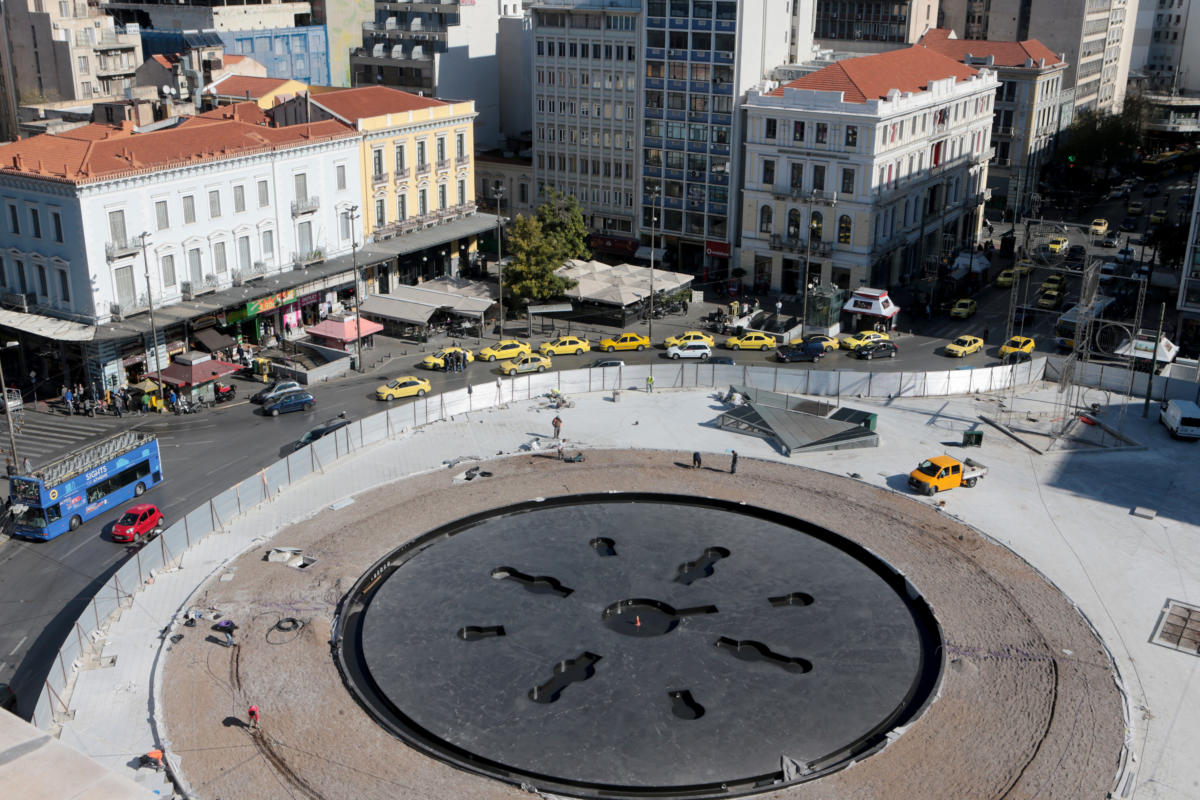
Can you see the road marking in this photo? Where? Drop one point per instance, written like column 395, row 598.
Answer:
column 18, row 647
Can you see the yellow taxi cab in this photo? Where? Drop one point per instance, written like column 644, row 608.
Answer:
column 1058, row 243
column 964, row 346
column 687, row 337
column 964, row 308
column 1005, row 279
column 828, row 342
column 1050, row 299
column 857, row 340
column 437, row 359
column 1024, row 266
column 1099, row 227
column 407, row 386
column 505, row 348
column 1055, row 283
column 1017, row 344
column 752, row 340
column 626, row 341
column 1135, row 208
column 530, row 362
column 565, row 346
column 1158, row 217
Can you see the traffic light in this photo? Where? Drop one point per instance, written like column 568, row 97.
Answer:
column 1071, row 162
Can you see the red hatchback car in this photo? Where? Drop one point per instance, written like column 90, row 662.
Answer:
column 137, row 522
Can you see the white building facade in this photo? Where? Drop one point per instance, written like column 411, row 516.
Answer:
column 224, row 217
column 869, row 183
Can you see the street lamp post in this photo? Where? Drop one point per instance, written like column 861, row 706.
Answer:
column 655, row 212
column 812, row 229
column 352, row 217
column 498, row 190
column 153, row 330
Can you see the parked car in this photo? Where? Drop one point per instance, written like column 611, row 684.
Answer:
column 1054, row 283
column 754, row 340
column 321, row 431
column 1050, row 300
column 1076, row 254
column 807, row 351
column 725, row 360
column 1135, row 208
column 1042, row 254
column 138, row 521
column 698, row 350
column 1058, row 243
column 1129, row 224
column 1125, row 255
column 437, row 359
column 1108, row 272
column 292, row 401
column 626, row 341
column 565, row 346
column 275, row 390
column 1158, row 217
column 964, row 346
column 1005, row 279
column 884, row 348
column 506, row 348
column 1150, row 190
column 533, row 362
column 828, row 342
column 940, row 473
column 1099, row 227
column 406, row 386
column 689, row 336
column 606, row 363
column 1111, row 240
column 857, row 340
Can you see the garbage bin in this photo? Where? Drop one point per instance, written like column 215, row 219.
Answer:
column 972, row 439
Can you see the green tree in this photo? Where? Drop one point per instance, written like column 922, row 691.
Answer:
column 1096, row 141
column 1170, row 241
column 562, row 226
column 535, row 257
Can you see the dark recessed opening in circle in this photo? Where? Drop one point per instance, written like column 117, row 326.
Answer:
column 743, row 634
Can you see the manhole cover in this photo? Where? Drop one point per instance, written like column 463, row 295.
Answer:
column 1179, row 627
column 643, row 645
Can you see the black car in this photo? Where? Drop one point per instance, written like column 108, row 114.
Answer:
column 808, row 351
column 726, row 360
column 1077, row 253
column 1129, row 224
column 323, row 430
column 881, row 349
column 1150, row 190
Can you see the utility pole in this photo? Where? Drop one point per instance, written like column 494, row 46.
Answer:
column 153, row 330
column 1162, row 312
column 499, row 191
column 351, row 218
column 8, row 415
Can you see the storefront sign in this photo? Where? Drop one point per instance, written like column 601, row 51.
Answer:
column 716, row 249
column 310, row 298
column 270, row 302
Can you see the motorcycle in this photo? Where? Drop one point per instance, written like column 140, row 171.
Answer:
column 225, row 392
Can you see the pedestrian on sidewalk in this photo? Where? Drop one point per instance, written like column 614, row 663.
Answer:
column 173, row 400
column 557, row 425
column 696, row 460
column 145, row 403
column 733, row 464
column 69, row 401
column 252, row 713
column 650, row 384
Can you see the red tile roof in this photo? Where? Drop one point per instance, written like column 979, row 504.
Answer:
column 99, row 152
column 1004, row 54
column 246, row 111
column 872, row 77
column 165, row 61
column 177, row 374
column 230, row 58
column 372, row 101
column 244, row 86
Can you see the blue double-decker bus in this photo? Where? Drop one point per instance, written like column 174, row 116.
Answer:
column 63, row 494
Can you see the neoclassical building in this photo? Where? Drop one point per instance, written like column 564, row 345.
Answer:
column 864, row 172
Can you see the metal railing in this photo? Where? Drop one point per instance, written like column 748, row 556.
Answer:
column 423, row 169
column 380, row 177
column 120, row 249
column 443, row 164
column 305, row 205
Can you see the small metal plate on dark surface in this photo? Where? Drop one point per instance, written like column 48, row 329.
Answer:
column 638, row 645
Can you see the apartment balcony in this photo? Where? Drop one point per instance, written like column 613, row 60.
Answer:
column 421, row 6
column 1002, row 132
column 402, row 174
column 982, row 197
column 795, row 244
column 396, row 56
column 118, row 38
column 120, row 249
column 414, row 31
column 463, row 159
column 426, row 220
column 114, row 67
column 128, row 307
column 305, row 206
column 723, row 58
column 443, row 164
column 380, row 178
column 423, row 169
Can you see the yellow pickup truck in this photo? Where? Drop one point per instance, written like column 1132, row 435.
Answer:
column 940, row 473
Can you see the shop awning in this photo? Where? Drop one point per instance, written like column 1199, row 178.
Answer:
column 177, row 374
column 400, row 310
column 62, row 330
column 212, row 339
column 449, row 301
column 344, row 329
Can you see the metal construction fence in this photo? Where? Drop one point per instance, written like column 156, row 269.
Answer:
column 1118, row 378
column 221, row 510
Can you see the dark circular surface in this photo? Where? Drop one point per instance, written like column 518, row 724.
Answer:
column 638, row 645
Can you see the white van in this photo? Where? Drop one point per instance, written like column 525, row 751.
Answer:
column 1181, row 418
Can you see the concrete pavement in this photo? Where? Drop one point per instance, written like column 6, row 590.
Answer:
column 1069, row 513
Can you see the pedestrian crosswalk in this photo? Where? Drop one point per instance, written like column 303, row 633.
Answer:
column 42, row 436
